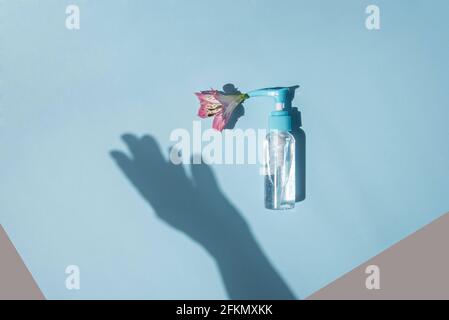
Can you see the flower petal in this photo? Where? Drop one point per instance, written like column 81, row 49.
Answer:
column 209, row 104
column 219, row 122
column 209, row 96
column 214, row 103
column 202, row 112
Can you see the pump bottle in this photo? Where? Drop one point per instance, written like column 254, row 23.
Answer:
column 279, row 153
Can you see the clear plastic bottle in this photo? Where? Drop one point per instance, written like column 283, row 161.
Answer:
column 279, row 152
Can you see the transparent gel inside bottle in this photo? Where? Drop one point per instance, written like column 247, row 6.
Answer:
column 279, row 157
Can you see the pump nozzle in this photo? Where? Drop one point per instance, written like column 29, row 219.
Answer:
column 280, row 119
column 280, row 94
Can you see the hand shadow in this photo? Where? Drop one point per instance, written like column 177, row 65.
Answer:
column 199, row 209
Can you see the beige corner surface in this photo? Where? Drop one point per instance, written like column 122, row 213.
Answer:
column 16, row 282
column 417, row 267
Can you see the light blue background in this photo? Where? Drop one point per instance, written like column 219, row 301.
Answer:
column 375, row 108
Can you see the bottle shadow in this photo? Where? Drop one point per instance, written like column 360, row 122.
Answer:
column 300, row 146
column 198, row 208
column 300, row 154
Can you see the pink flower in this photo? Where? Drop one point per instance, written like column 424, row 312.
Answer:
column 214, row 103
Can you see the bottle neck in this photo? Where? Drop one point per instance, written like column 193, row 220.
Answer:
column 279, row 106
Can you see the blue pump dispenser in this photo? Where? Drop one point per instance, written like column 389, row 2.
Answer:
column 279, row 119
column 280, row 94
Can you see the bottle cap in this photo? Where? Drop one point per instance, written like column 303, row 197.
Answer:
column 280, row 120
